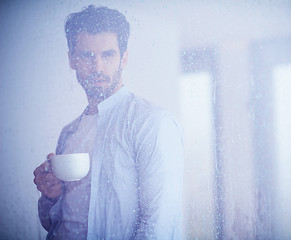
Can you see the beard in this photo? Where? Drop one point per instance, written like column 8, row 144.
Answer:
column 100, row 92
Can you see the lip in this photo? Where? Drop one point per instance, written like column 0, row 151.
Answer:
column 98, row 80
column 101, row 80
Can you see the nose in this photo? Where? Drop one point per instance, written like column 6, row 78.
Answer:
column 97, row 64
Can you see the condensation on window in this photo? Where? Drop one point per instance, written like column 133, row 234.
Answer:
column 222, row 68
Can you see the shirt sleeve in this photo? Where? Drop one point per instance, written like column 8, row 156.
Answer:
column 160, row 164
column 44, row 206
column 49, row 212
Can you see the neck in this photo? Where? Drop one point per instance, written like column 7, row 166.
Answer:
column 94, row 100
column 92, row 107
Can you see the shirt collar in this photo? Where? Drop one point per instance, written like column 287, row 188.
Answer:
column 113, row 100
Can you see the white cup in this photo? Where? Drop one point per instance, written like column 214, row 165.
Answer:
column 71, row 167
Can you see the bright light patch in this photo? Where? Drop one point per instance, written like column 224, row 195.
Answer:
column 282, row 120
column 196, row 101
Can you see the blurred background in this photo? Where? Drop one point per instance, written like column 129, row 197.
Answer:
column 222, row 67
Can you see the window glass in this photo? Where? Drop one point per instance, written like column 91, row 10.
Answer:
column 282, row 130
column 195, row 91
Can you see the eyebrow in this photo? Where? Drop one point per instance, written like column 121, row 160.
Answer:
column 86, row 53
column 110, row 52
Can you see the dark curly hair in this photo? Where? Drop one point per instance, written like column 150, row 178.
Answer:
column 97, row 20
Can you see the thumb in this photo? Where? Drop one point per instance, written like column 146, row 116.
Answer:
column 50, row 156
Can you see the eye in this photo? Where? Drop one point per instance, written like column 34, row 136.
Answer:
column 86, row 55
column 108, row 54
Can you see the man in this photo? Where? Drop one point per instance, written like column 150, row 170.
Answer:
column 133, row 189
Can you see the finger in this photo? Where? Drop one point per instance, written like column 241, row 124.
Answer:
column 46, row 185
column 42, row 169
column 45, row 178
column 50, row 156
column 51, row 191
column 47, row 166
column 39, row 169
column 55, row 190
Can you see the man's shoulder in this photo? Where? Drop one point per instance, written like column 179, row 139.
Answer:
column 142, row 107
column 148, row 121
column 71, row 127
column 66, row 131
column 143, row 111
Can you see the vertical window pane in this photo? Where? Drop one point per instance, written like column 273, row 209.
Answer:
column 197, row 118
column 282, row 127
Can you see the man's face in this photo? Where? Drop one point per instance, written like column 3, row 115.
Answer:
column 98, row 63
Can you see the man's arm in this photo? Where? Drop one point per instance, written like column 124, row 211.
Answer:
column 160, row 165
column 49, row 205
column 51, row 189
column 44, row 207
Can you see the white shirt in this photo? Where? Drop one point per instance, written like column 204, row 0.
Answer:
column 137, row 171
column 76, row 199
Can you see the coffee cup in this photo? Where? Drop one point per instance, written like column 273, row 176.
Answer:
column 71, row 167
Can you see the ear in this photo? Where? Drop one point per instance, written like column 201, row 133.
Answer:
column 71, row 61
column 124, row 60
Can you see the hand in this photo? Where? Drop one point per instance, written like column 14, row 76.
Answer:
column 45, row 180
